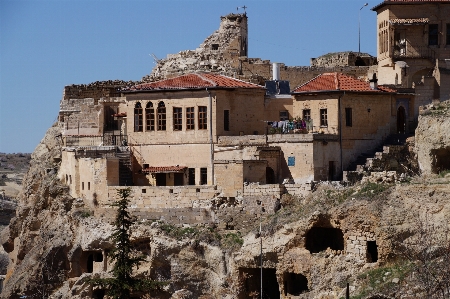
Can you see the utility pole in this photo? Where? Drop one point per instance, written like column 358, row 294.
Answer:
column 359, row 28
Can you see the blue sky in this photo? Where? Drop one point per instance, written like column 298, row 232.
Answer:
column 47, row 44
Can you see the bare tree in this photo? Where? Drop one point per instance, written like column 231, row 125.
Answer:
column 428, row 253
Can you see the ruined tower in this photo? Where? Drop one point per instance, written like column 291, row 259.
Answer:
column 220, row 52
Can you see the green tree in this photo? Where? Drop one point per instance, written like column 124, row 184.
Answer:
column 123, row 283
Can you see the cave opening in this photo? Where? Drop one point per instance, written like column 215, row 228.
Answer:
column 372, row 252
column 98, row 294
column 320, row 238
column 251, row 279
column 295, row 284
column 441, row 159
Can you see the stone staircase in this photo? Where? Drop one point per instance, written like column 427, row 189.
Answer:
column 125, row 174
column 391, row 156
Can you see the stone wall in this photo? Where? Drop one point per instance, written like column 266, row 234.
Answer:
column 357, row 244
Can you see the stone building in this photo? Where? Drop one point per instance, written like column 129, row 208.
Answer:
column 414, row 48
column 199, row 134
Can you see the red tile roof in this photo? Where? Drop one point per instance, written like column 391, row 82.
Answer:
column 338, row 82
column 164, row 169
column 386, row 2
column 195, row 81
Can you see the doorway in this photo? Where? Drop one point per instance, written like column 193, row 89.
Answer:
column 401, row 120
column 270, row 175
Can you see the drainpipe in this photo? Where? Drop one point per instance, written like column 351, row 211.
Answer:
column 211, row 136
column 340, row 131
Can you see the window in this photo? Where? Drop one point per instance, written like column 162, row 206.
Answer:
column 202, row 118
column 433, row 37
column 161, row 116
column 284, row 115
column 323, row 118
column 307, row 114
column 348, row 117
column 448, row 35
column 204, row 175
column 226, row 120
column 215, row 47
column 82, row 185
column 138, row 125
column 149, row 117
column 89, row 185
column 177, row 119
column 191, row 174
column 190, row 121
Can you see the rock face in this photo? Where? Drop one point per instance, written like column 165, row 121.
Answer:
column 311, row 247
column 433, row 138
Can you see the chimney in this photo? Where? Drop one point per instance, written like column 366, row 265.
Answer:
column 374, row 82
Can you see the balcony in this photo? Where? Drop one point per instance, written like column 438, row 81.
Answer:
column 423, row 52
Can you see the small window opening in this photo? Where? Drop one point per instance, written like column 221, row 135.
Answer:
column 323, row 118
column 284, row 115
column 348, row 117
column 89, row 185
column 226, row 120
column 203, row 176
column 433, row 35
column 215, row 47
column 191, row 176
column 372, row 252
column 82, row 185
column 170, row 190
column 306, row 114
column 144, row 190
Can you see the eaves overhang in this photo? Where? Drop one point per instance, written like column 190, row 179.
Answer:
column 408, row 2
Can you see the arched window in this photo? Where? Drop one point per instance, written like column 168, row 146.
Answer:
column 138, row 118
column 161, row 116
column 149, row 117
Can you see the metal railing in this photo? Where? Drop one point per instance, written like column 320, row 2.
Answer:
column 414, row 52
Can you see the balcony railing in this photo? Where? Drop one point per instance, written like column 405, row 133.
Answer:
column 414, row 52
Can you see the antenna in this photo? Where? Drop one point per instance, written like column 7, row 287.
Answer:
column 156, row 59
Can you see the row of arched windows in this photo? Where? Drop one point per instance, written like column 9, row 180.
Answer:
column 150, row 118
column 156, row 120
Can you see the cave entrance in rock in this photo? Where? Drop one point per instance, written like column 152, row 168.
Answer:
column 294, row 284
column 98, row 294
column 251, row 279
column 441, row 159
column 401, row 120
column 320, row 238
column 372, row 252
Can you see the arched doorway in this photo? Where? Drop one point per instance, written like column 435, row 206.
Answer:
column 270, row 175
column 401, row 120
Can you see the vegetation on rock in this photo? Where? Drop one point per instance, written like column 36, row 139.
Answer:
column 123, row 283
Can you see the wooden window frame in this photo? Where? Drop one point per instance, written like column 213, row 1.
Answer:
column 323, row 118
column 138, row 118
column 149, row 117
column 161, row 114
column 190, row 118
column 177, row 118
column 202, row 118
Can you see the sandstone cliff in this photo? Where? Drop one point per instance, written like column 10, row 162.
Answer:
column 311, row 247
